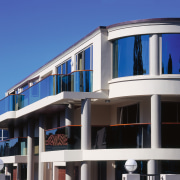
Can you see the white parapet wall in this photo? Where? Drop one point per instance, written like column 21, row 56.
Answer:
column 131, row 177
column 170, row 177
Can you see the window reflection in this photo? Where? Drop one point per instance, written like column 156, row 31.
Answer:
column 170, row 54
column 131, row 56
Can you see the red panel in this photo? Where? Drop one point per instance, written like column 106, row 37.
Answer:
column 14, row 173
column 61, row 173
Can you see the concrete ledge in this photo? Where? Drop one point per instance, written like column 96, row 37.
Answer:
column 61, row 98
column 61, row 156
column 170, row 176
column 131, row 176
column 137, row 154
column 14, row 159
column 110, row 155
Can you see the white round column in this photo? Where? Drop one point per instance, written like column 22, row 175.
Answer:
column 41, row 148
column 155, row 121
column 152, row 165
column 85, row 136
column 86, row 170
column 30, row 152
column 154, row 54
column 69, row 113
column 69, row 171
column 153, row 168
column 85, row 124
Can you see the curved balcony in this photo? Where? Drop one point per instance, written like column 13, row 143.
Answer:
column 136, row 135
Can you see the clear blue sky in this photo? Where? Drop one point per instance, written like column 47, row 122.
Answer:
column 32, row 32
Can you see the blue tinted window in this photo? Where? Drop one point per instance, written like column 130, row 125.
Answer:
column 87, row 59
column 68, row 67
column 59, row 70
column 65, row 68
column 131, row 56
column 170, row 54
column 92, row 57
column 84, row 60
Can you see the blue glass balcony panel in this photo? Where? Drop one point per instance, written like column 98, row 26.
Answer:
column 4, row 148
column 8, row 104
column 38, row 91
column 78, row 81
column 83, row 81
column 13, row 147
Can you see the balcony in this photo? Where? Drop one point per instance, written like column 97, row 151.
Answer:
column 102, row 137
column 8, row 103
column 13, row 147
column 68, row 137
column 77, row 81
column 122, row 136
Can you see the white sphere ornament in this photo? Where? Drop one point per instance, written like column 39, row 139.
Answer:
column 130, row 165
column 1, row 164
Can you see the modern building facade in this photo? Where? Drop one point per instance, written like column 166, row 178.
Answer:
column 112, row 96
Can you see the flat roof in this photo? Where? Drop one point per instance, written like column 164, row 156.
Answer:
column 154, row 20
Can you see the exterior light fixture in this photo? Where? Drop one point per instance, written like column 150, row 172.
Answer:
column 130, row 165
column 1, row 164
column 107, row 101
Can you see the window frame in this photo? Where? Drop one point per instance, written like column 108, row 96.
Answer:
column 83, row 58
column 66, row 66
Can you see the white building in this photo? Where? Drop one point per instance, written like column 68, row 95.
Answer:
column 112, row 96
